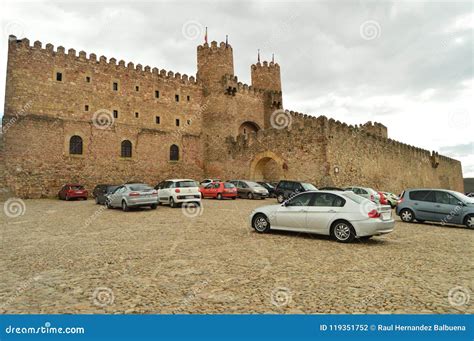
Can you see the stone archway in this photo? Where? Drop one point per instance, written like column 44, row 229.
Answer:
column 267, row 166
column 248, row 127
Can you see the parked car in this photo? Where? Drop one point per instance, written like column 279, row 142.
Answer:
column 365, row 192
column 342, row 215
column 72, row 191
column 470, row 195
column 331, row 189
column 249, row 189
column 219, row 190
column 288, row 188
column 132, row 195
column 391, row 198
column 174, row 192
column 269, row 187
column 100, row 192
column 439, row 205
column 208, row 181
column 382, row 199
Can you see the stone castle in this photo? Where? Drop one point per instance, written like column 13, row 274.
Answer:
column 70, row 117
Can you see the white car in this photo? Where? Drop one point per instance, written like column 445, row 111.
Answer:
column 177, row 191
column 342, row 215
column 208, row 181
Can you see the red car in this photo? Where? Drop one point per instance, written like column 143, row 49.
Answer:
column 219, row 190
column 383, row 200
column 72, row 191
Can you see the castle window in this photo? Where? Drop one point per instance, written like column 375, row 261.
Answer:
column 75, row 145
column 176, row 97
column 136, row 115
column 189, row 122
column 157, row 119
column 126, row 150
column 115, row 86
column 188, row 98
column 174, row 153
column 157, row 94
column 88, row 79
column 59, row 76
column 115, row 113
column 86, row 108
column 177, row 122
column 137, row 88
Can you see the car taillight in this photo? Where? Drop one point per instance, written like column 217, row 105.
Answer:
column 134, row 194
column 374, row 214
column 177, row 190
column 400, row 200
column 154, row 192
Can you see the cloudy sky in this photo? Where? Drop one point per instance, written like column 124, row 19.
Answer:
column 408, row 65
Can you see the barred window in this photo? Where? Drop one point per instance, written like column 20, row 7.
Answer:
column 75, row 145
column 174, row 153
column 126, row 148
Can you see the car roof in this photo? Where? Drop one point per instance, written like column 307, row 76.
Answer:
column 176, row 180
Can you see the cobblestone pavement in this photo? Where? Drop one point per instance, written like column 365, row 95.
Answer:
column 77, row 257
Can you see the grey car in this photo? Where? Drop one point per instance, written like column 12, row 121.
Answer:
column 440, row 205
column 365, row 192
column 249, row 189
column 132, row 195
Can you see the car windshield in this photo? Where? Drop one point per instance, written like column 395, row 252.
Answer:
column 140, row 187
column 228, row 185
column 184, row 184
column 77, row 188
column 308, row 187
column 111, row 189
column 253, row 184
column 464, row 198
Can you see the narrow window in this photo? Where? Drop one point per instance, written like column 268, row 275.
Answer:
column 189, row 122
column 157, row 119
column 75, row 145
column 88, row 79
column 174, row 153
column 176, row 97
column 157, row 94
column 115, row 86
column 86, row 108
column 188, row 98
column 115, row 113
column 137, row 88
column 59, row 76
column 126, row 150
column 136, row 115
column 177, row 122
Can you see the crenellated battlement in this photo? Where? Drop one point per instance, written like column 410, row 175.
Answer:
column 110, row 63
column 214, row 47
column 266, row 66
column 232, row 85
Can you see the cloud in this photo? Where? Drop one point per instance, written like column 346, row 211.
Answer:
column 460, row 150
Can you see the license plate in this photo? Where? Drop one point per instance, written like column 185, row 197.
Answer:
column 189, row 196
column 387, row 216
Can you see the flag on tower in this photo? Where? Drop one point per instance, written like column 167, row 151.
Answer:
column 273, row 58
column 205, row 36
column 226, row 40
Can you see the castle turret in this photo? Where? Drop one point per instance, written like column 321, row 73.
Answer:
column 266, row 76
column 213, row 62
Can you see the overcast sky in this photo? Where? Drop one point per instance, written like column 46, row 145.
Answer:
column 408, row 65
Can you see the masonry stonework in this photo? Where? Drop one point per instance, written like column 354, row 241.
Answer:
column 223, row 128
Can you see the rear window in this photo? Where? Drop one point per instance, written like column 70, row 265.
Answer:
column 139, row 187
column 253, row 184
column 185, row 184
column 422, row 196
column 77, row 188
column 354, row 197
column 309, row 187
column 229, row 185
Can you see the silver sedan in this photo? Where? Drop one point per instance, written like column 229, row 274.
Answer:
column 132, row 195
column 342, row 215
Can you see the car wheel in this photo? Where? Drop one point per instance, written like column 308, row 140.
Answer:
column 219, row 196
column 280, row 198
column 260, row 223
column 159, row 202
column 343, row 232
column 469, row 221
column 172, row 203
column 250, row 196
column 407, row 215
column 125, row 207
column 153, row 206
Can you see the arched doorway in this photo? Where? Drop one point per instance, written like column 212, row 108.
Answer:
column 248, row 127
column 267, row 166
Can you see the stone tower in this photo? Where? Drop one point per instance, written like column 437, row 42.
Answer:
column 266, row 76
column 213, row 62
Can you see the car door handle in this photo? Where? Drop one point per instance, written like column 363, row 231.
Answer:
column 332, row 211
column 437, row 205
